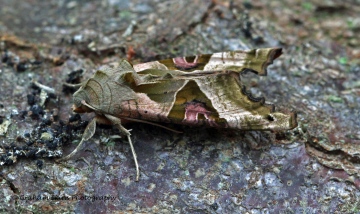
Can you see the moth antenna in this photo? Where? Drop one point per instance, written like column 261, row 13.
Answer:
column 117, row 122
column 154, row 124
column 78, row 85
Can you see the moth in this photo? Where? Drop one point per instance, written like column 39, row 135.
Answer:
column 204, row 90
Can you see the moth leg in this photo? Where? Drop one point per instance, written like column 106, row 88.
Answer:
column 88, row 133
column 117, row 122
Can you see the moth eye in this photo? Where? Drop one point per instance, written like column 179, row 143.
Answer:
column 165, row 92
column 270, row 118
column 145, row 112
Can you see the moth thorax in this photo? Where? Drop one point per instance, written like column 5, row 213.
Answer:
column 79, row 98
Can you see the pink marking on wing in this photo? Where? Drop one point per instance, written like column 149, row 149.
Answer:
column 181, row 63
column 144, row 108
column 192, row 111
column 149, row 65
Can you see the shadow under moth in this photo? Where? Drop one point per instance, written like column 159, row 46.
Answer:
column 204, row 90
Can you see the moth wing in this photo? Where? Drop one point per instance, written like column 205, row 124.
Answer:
column 255, row 60
column 221, row 101
column 123, row 66
column 215, row 100
column 201, row 90
column 107, row 89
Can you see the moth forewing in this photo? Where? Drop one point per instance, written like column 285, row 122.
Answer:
column 238, row 61
column 204, row 90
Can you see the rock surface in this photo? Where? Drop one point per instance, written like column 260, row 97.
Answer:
column 313, row 168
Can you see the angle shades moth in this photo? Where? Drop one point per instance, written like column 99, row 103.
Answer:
column 204, row 90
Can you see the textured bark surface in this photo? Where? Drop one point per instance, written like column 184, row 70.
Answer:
column 313, row 168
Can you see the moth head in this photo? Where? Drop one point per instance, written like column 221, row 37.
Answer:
column 81, row 102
